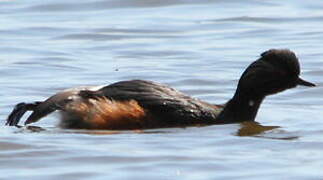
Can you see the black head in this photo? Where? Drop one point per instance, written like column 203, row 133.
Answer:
column 275, row 71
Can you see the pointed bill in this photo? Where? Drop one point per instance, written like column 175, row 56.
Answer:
column 304, row 83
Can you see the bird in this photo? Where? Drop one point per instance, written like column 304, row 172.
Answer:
column 143, row 104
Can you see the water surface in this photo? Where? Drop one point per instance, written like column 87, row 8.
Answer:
column 199, row 47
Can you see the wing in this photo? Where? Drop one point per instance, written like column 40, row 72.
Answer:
column 168, row 104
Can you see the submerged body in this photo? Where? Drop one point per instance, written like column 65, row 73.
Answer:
column 140, row 104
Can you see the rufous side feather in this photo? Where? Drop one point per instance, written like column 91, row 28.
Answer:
column 104, row 113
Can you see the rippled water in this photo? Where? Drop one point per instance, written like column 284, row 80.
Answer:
column 200, row 47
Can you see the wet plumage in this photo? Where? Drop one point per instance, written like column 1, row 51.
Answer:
column 140, row 104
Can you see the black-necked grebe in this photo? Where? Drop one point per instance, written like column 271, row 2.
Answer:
column 139, row 104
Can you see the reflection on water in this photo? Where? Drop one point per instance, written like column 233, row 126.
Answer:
column 257, row 130
column 199, row 47
column 253, row 128
column 245, row 129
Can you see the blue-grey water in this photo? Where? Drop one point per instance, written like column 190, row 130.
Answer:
column 200, row 47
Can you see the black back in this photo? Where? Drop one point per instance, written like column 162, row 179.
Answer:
column 169, row 105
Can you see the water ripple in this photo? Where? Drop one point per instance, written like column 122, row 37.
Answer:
column 199, row 47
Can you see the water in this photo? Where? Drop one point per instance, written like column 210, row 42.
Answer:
column 200, row 47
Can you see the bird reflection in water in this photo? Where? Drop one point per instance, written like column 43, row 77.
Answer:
column 246, row 129
column 255, row 129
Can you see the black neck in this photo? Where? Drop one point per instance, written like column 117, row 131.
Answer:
column 242, row 107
